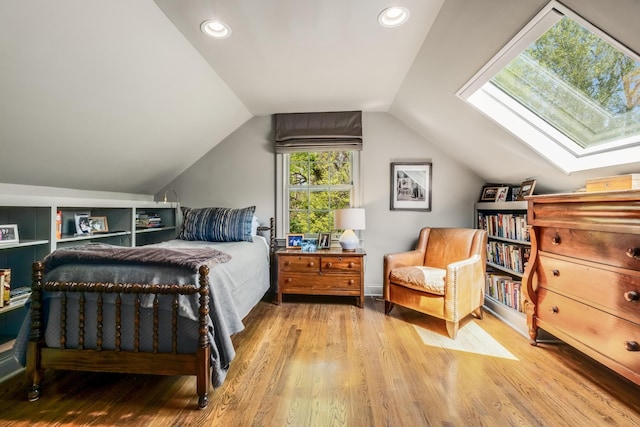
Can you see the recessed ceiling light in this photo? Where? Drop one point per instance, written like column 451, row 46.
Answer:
column 215, row 29
column 393, row 16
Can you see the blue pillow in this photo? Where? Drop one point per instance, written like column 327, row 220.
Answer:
column 217, row 224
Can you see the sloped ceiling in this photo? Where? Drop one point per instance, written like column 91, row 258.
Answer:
column 124, row 95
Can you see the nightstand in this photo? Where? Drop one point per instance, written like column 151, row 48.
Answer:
column 324, row 272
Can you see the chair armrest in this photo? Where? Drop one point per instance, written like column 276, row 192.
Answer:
column 464, row 287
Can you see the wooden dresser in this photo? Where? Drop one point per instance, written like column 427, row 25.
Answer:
column 583, row 277
column 325, row 272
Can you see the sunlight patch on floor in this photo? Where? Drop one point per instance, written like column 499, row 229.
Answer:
column 471, row 339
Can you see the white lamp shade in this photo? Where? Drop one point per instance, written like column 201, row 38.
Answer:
column 349, row 220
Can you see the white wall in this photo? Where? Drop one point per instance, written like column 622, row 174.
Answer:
column 240, row 171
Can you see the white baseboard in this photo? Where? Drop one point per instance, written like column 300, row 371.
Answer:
column 372, row 290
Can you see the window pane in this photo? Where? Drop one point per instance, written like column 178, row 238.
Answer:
column 298, row 222
column 579, row 83
column 321, row 222
column 298, row 173
column 298, row 200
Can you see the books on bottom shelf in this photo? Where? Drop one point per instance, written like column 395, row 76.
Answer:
column 505, row 289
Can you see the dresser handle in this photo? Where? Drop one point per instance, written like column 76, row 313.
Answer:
column 329, row 265
column 555, row 273
column 633, row 253
column 632, row 346
column 556, row 239
column 311, row 264
column 554, row 309
column 631, row 296
column 351, row 265
column 286, row 263
column 288, row 280
column 351, row 281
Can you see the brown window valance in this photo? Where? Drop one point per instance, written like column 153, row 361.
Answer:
column 330, row 131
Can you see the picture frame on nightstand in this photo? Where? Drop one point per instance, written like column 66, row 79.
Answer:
column 294, row 241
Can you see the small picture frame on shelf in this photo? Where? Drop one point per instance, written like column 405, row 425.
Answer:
column 294, row 241
column 82, row 223
column 9, row 234
column 526, row 188
column 324, row 240
column 489, row 194
column 515, row 193
column 98, row 224
column 501, row 194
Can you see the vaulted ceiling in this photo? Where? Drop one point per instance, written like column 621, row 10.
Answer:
column 124, row 95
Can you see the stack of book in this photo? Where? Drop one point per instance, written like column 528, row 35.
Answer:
column 20, row 294
column 148, row 220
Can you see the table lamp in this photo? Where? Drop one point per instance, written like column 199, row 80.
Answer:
column 348, row 220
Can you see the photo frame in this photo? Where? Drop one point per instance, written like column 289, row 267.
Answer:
column 9, row 234
column 501, row 194
column 309, row 245
column 82, row 223
column 324, row 240
column 489, row 194
column 98, row 224
column 411, row 186
column 526, row 188
column 294, row 241
column 515, row 193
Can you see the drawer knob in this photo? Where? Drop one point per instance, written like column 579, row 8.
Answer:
column 351, row 281
column 633, row 253
column 554, row 309
column 311, row 263
column 556, row 239
column 631, row 296
column 288, row 280
column 351, row 265
column 286, row 263
column 556, row 273
column 632, row 346
column 329, row 265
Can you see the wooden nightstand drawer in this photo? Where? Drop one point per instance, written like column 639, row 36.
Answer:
column 340, row 264
column 325, row 272
column 299, row 263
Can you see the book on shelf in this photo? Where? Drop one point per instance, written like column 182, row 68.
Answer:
column 148, row 220
column 505, row 289
column 5, row 286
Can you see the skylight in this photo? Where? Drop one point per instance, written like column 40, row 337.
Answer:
column 565, row 88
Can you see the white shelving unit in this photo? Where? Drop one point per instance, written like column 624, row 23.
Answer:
column 36, row 220
column 511, row 316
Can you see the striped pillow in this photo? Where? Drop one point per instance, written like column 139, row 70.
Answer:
column 217, row 224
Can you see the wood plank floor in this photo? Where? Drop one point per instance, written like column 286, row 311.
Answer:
column 324, row 362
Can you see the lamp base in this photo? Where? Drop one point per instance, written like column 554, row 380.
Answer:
column 349, row 241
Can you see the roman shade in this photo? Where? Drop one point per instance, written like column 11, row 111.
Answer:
column 329, row 131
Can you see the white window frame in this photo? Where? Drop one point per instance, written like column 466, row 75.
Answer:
column 538, row 134
column 282, row 189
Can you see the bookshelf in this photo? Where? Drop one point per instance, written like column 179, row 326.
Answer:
column 508, row 250
column 37, row 219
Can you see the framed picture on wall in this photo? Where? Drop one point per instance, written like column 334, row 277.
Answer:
column 411, row 186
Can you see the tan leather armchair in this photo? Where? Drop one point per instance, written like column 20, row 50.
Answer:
column 443, row 277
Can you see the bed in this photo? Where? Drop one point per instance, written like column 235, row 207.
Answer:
column 166, row 309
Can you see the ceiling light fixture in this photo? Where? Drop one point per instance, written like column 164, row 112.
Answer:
column 393, row 16
column 215, row 29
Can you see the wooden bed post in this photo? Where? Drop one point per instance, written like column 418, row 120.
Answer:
column 203, row 361
column 36, row 336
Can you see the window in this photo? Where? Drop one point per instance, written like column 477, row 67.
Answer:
column 313, row 185
column 565, row 88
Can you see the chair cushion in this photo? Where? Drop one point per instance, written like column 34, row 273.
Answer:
column 426, row 279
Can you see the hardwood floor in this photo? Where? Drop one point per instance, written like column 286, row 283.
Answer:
column 325, row 362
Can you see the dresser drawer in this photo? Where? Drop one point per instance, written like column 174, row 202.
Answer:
column 617, row 249
column 604, row 333
column 613, row 291
column 341, row 264
column 312, row 283
column 301, row 263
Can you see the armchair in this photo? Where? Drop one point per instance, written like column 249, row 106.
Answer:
column 444, row 276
